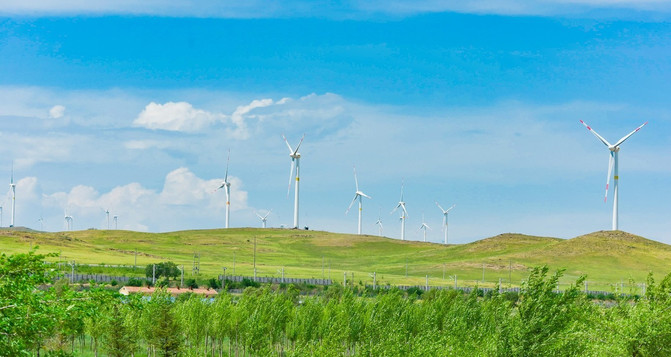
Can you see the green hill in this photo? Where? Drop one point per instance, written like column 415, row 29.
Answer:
column 605, row 257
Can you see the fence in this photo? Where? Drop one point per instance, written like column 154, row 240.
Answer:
column 274, row 280
column 98, row 278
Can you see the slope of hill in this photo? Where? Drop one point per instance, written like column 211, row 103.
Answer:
column 605, row 257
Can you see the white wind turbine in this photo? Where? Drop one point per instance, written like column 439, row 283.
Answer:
column 379, row 224
column 358, row 194
column 107, row 213
column 424, row 227
column 227, row 188
column 264, row 218
column 613, row 166
column 295, row 162
column 116, row 221
column 12, row 187
column 68, row 220
column 445, row 212
column 404, row 213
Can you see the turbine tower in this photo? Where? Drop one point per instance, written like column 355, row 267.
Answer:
column 424, row 227
column 358, row 194
column 227, row 187
column 613, row 166
column 107, row 213
column 116, row 220
column 404, row 213
column 264, row 218
column 445, row 212
column 295, row 162
column 12, row 187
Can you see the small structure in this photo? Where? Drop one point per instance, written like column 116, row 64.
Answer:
column 127, row 290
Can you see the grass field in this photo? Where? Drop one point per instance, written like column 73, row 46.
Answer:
column 606, row 257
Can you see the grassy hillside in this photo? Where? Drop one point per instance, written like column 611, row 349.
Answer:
column 605, row 257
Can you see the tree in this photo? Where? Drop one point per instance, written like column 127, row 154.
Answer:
column 26, row 313
column 165, row 269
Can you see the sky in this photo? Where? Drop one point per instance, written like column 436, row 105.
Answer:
column 132, row 107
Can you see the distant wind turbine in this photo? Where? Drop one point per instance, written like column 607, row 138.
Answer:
column 116, row 220
column 227, row 188
column 295, row 162
column 107, row 213
column 358, row 194
column 12, row 187
column 264, row 218
column 445, row 212
column 41, row 220
column 379, row 224
column 0, row 216
column 424, row 227
column 68, row 220
column 613, row 166
column 404, row 213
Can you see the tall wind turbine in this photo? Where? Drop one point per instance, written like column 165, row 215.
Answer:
column 613, row 166
column 445, row 212
column 116, row 221
column 358, row 194
column 227, row 187
column 295, row 162
column 404, row 213
column 424, row 227
column 107, row 213
column 12, row 187
column 264, row 218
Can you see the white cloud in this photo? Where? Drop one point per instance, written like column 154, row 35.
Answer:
column 184, row 194
column 241, row 113
column 171, row 116
column 56, row 111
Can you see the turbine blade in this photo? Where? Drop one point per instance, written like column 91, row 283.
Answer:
column 351, row 203
column 356, row 182
column 630, row 134
column 441, row 208
column 299, row 145
column 258, row 215
column 364, row 195
column 449, row 209
column 291, row 175
column 611, row 162
column 227, row 161
column 287, row 142
column 404, row 211
column 402, row 184
column 266, row 216
column 604, row 141
column 394, row 210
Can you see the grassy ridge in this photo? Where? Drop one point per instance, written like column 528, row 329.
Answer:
column 605, row 257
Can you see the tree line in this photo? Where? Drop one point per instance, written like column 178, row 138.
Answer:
column 38, row 317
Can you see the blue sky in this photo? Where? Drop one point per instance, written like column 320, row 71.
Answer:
column 132, row 107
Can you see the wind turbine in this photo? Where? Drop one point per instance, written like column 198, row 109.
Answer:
column 424, row 227
column 404, row 213
column 68, row 220
column 12, row 187
column 227, row 187
column 41, row 220
column 0, row 216
column 379, row 223
column 613, row 166
column 295, row 161
column 445, row 212
column 264, row 218
column 116, row 220
column 358, row 194
column 107, row 213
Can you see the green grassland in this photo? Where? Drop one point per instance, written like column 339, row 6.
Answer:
column 606, row 258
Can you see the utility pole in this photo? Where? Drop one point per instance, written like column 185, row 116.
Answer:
column 483, row 272
column 344, row 279
column 443, row 271
column 427, row 283
column 374, row 280
column 135, row 263
column 322, row 267
column 233, row 262
column 223, row 280
column 153, row 274
column 254, row 258
column 72, row 275
column 406, row 267
column 181, row 283
column 510, row 272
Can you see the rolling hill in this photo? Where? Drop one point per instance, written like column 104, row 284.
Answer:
column 605, row 257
